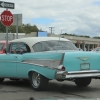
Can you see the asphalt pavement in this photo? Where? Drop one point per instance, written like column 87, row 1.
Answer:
column 21, row 90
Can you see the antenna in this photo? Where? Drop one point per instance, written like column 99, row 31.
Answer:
column 60, row 35
column 59, row 39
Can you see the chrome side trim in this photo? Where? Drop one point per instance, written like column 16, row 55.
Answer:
column 39, row 59
column 48, row 63
column 61, row 61
column 33, row 64
column 22, row 63
column 53, row 68
column 9, row 61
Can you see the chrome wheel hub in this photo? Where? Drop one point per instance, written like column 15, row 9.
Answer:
column 36, row 79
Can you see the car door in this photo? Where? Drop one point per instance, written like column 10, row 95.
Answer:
column 8, row 62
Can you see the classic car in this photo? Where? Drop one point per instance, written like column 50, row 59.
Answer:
column 40, row 59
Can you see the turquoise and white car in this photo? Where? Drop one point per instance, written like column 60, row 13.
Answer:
column 40, row 59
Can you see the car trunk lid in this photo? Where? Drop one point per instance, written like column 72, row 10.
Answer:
column 78, row 61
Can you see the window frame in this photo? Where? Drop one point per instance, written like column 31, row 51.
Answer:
column 11, row 43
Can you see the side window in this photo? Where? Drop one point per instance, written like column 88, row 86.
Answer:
column 12, row 48
column 45, row 46
column 24, row 47
column 37, row 47
column 19, row 48
column 1, row 46
column 41, row 46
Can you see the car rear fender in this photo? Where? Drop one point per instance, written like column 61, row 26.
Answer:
column 46, row 72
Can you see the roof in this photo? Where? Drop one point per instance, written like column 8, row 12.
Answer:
column 32, row 40
column 3, row 41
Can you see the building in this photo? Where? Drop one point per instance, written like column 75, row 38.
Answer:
column 11, row 36
column 80, row 42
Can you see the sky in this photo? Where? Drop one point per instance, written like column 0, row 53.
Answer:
column 80, row 17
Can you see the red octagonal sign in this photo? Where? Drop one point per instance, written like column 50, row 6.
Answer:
column 6, row 18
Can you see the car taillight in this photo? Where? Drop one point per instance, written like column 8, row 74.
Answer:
column 63, row 68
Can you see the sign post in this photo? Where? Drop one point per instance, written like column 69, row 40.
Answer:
column 17, row 22
column 6, row 37
column 6, row 17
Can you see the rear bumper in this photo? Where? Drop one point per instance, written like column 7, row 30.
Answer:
column 77, row 74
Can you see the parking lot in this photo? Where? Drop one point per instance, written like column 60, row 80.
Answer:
column 21, row 90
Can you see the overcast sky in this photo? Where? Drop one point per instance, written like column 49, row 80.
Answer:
column 80, row 17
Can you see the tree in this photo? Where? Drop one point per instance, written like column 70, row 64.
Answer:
column 12, row 29
column 28, row 28
column 34, row 28
column 25, row 28
column 97, row 37
column 2, row 28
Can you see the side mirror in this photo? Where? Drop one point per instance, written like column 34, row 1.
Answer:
column 5, row 50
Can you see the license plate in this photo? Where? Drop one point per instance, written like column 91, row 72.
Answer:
column 85, row 66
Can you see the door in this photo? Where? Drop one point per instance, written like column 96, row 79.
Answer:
column 8, row 62
column 8, row 65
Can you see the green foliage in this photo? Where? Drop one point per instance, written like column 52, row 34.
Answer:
column 2, row 28
column 25, row 28
column 12, row 29
column 75, row 35
column 97, row 37
column 28, row 28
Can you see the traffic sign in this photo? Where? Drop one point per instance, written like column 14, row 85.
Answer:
column 6, row 18
column 8, row 5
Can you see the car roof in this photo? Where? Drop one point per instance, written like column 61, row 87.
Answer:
column 3, row 41
column 32, row 40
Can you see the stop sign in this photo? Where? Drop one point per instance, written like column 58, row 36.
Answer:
column 6, row 18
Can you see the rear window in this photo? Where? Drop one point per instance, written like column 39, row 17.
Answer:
column 1, row 46
column 53, row 45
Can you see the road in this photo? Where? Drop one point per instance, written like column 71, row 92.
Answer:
column 21, row 90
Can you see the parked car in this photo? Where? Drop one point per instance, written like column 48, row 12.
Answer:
column 2, row 46
column 97, row 49
column 40, row 59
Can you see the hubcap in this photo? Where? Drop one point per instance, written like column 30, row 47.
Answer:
column 36, row 79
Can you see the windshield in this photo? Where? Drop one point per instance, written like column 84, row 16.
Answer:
column 1, row 46
column 54, row 45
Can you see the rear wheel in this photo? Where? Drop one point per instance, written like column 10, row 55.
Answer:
column 38, row 82
column 1, row 80
column 82, row 82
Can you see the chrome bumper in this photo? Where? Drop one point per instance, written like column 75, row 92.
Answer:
column 77, row 74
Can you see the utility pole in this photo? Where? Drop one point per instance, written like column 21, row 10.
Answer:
column 51, row 28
